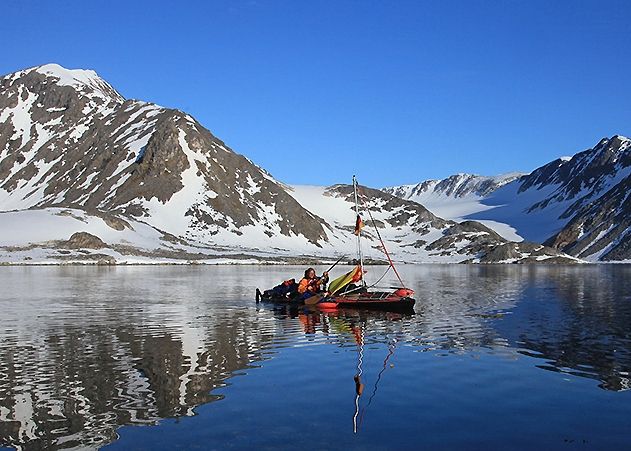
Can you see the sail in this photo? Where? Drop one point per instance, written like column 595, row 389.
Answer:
column 352, row 276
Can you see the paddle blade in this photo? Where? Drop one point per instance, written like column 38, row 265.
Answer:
column 314, row 299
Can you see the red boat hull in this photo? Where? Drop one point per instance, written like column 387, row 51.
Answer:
column 391, row 301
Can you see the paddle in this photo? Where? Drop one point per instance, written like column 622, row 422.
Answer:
column 335, row 264
column 315, row 299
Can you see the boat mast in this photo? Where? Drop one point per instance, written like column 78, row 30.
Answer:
column 359, row 241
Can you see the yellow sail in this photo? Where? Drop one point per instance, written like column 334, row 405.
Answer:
column 353, row 275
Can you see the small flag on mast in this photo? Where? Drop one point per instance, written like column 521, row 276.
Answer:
column 359, row 225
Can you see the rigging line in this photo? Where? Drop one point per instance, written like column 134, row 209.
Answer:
column 369, row 286
column 380, row 278
column 383, row 245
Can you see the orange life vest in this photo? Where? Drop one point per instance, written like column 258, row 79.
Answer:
column 311, row 285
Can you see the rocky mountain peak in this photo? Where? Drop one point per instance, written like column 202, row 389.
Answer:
column 455, row 186
column 587, row 173
column 87, row 82
column 610, row 150
column 616, row 142
column 68, row 139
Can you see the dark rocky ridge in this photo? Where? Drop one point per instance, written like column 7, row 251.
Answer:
column 109, row 167
column 598, row 181
column 582, row 177
column 585, row 196
column 602, row 226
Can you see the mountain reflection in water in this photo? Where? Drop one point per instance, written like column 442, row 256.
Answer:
column 84, row 351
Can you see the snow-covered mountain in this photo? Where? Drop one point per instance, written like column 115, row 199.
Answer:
column 577, row 204
column 455, row 186
column 86, row 174
column 599, row 183
column 458, row 196
column 67, row 138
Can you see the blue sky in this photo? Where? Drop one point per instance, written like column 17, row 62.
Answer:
column 394, row 91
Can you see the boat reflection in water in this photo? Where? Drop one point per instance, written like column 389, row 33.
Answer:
column 77, row 361
column 347, row 323
column 360, row 412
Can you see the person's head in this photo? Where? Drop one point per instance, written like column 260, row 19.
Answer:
column 310, row 273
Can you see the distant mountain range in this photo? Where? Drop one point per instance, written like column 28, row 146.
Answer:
column 579, row 205
column 89, row 176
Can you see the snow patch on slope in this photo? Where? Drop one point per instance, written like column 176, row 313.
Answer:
column 460, row 196
column 27, row 227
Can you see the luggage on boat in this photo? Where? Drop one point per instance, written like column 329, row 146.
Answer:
column 284, row 291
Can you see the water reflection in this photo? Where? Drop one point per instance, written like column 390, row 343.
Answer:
column 352, row 327
column 75, row 386
column 84, row 351
column 577, row 321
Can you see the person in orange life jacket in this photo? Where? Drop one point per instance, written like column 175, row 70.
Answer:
column 310, row 284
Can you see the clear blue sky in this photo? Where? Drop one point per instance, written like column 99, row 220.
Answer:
column 395, row 91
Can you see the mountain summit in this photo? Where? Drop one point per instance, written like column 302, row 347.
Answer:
column 86, row 81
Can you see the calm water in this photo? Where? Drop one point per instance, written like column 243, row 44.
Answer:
column 500, row 357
